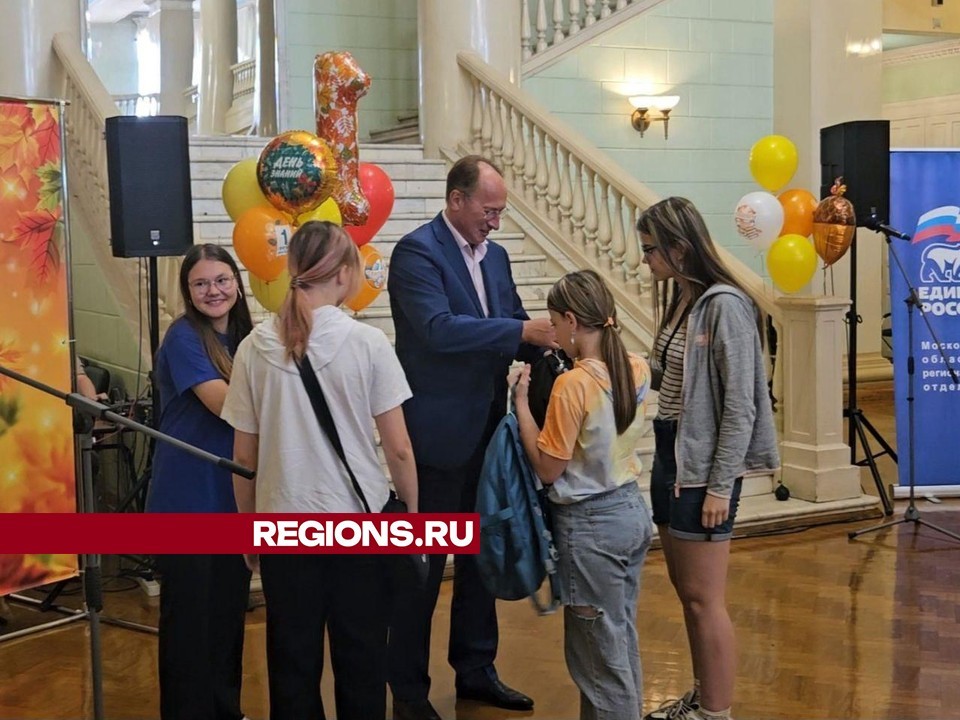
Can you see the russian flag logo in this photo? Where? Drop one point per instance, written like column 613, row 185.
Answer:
column 942, row 222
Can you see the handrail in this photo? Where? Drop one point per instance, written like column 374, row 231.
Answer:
column 571, row 23
column 589, row 153
column 82, row 75
column 138, row 104
column 590, row 200
column 244, row 76
column 90, row 104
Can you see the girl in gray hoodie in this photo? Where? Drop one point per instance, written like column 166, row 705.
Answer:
column 714, row 426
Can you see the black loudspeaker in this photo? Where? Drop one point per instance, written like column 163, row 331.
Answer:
column 860, row 152
column 148, row 164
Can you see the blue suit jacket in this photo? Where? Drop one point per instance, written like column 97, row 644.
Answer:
column 455, row 359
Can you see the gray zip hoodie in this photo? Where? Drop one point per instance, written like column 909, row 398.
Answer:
column 726, row 424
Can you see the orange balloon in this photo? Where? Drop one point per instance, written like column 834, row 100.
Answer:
column 260, row 239
column 798, row 208
column 373, row 278
column 832, row 240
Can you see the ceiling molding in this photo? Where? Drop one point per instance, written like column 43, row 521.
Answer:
column 919, row 53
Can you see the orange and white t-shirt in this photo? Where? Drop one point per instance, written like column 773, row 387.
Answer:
column 580, row 428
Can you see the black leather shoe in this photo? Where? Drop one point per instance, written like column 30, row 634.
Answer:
column 494, row 692
column 414, row 710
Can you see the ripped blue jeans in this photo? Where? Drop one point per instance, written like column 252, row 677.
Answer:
column 602, row 542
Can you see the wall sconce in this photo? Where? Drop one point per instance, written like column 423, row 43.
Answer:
column 643, row 104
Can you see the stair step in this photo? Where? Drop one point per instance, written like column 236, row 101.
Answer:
column 422, row 207
column 399, row 170
column 396, row 135
column 218, row 227
column 234, row 147
column 419, row 186
column 406, row 129
column 403, row 123
column 513, row 243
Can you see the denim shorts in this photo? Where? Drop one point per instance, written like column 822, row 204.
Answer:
column 682, row 514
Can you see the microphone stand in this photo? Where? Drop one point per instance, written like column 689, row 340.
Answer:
column 85, row 412
column 911, row 515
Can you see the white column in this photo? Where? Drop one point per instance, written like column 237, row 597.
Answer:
column 171, row 27
column 218, row 51
column 815, row 458
column 265, row 88
column 820, row 80
column 445, row 27
column 27, row 64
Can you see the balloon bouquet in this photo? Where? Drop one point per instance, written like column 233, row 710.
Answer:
column 301, row 177
column 781, row 225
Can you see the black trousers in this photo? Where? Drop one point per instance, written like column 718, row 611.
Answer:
column 306, row 595
column 474, row 633
column 203, row 605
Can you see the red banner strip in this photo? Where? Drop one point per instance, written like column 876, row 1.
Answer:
column 228, row 533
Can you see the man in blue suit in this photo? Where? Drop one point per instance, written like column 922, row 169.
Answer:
column 459, row 325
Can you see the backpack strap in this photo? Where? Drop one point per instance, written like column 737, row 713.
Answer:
column 329, row 428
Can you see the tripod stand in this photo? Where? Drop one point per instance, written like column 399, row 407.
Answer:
column 857, row 423
column 85, row 412
column 139, row 489
column 911, row 514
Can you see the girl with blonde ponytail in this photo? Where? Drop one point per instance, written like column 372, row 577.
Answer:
column 299, row 471
column 587, row 454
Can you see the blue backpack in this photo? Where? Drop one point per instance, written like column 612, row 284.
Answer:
column 516, row 545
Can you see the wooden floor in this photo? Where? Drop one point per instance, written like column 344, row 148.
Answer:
column 827, row 628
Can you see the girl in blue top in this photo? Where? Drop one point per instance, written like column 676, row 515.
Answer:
column 203, row 598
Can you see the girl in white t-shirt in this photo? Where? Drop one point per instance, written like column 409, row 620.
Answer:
column 298, row 471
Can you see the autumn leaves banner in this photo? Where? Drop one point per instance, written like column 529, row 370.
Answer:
column 37, row 469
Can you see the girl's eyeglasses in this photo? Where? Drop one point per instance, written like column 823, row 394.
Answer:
column 224, row 282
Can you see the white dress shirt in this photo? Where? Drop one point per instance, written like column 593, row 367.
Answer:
column 472, row 255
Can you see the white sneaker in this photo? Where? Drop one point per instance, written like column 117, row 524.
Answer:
column 684, row 711
column 690, row 699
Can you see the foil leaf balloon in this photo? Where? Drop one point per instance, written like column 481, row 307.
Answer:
column 297, row 172
column 834, row 225
column 339, row 83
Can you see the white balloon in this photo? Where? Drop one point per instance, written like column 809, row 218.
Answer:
column 758, row 219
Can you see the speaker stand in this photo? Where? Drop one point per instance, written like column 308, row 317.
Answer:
column 138, row 492
column 154, row 299
column 857, row 423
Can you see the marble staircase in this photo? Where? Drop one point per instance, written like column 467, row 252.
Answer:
column 419, row 186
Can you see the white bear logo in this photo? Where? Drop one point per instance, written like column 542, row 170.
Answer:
column 940, row 263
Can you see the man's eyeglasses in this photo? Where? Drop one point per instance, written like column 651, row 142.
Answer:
column 647, row 249
column 494, row 214
column 224, row 282
column 490, row 213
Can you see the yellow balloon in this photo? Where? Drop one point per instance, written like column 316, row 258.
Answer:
column 791, row 262
column 241, row 191
column 773, row 161
column 327, row 210
column 270, row 294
